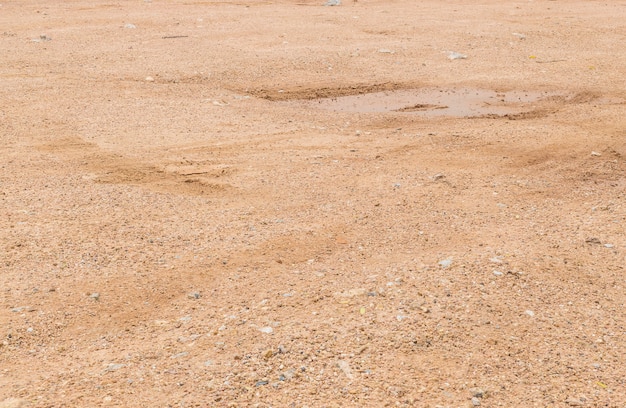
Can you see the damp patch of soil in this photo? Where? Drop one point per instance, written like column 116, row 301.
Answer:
column 454, row 102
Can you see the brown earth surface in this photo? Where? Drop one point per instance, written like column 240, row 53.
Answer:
column 277, row 203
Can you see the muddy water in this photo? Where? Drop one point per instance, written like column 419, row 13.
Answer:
column 457, row 102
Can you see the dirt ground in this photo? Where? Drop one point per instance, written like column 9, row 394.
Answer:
column 282, row 204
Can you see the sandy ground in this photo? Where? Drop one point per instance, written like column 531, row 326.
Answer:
column 183, row 223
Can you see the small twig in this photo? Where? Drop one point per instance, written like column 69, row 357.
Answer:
column 167, row 37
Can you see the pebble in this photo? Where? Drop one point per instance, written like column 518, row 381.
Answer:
column 288, row 375
column 453, row 55
column 438, row 176
column 149, row 79
column 477, row 392
column 266, row 330
column 497, row 273
column 333, row 3
column 21, row 309
column 594, row 153
column 42, row 38
column 609, row 245
column 260, row 383
column 573, row 402
column 445, row 263
column 385, row 51
column 475, row 402
column 530, row 313
column 130, row 26
column 95, row 296
column 182, row 354
column 345, row 367
column 114, row 367
column 194, row 295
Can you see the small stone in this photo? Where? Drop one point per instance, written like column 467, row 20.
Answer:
column 194, row 295
column 453, row 55
column 333, row 3
column 475, row 402
column 114, row 367
column 609, row 245
column 445, row 263
column 385, row 51
column 21, row 309
column 345, row 367
column 95, row 296
column 42, row 38
column 268, row 354
column 288, row 375
column 438, row 176
column 573, row 402
column 208, row 363
column 593, row 153
column 260, row 383
column 496, row 259
column 593, row 240
column 266, row 330
column 477, row 392
column 497, row 273
column 396, row 392
column 149, row 79
column 179, row 355
column 130, row 26
column 530, row 313
column 282, row 349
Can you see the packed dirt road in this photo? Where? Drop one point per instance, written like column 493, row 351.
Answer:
column 281, row 204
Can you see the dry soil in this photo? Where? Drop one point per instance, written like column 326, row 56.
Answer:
column 278, row 203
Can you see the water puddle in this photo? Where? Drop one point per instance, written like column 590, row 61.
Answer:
column 457, row 102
